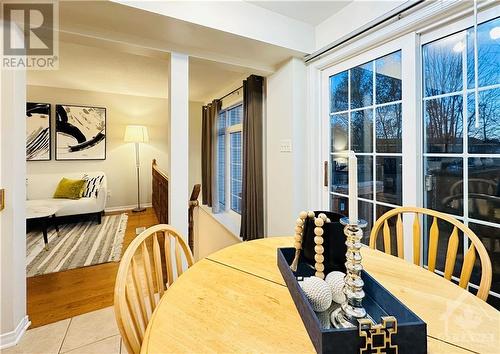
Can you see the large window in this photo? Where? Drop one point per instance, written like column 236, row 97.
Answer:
column 365, row 116
column 461, row 150
column 229, row 158
column 407, row 108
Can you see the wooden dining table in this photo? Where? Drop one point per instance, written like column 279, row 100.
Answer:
column 236, row 300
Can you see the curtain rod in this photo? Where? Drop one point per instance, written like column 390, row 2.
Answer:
column 365, row 28
column 230, row 93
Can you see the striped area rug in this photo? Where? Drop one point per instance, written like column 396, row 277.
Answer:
column 78, row 245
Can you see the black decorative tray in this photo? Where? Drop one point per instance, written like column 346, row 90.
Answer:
column 410, row 335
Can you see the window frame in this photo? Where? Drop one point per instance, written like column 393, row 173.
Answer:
column 409, row 94
column 437, row 34
column 229, row 129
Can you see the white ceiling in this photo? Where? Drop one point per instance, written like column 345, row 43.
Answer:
column 100, row 69
column 311, row 12
column 118, row 23
column 93, row 65
column 208, row 78
column 108, row 47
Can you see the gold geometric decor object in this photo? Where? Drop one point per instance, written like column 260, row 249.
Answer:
column 378, row 337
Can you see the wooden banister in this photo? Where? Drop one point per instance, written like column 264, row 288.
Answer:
column 193, row 202
column 160, row 193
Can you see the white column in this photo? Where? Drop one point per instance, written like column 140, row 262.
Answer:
column 14, row 320
column 178, row 94
column 411, row 135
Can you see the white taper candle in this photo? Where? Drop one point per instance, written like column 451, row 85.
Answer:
column 353, row 188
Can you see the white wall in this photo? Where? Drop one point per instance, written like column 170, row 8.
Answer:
column 285, row 171
column 209, row 234
column 349, row 18
column 13, row 320
column 119, row 165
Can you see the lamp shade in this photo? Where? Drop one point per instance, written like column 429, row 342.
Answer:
column 136, row 134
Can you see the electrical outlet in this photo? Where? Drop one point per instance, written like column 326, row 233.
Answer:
column 109, row 193
column 285, row 145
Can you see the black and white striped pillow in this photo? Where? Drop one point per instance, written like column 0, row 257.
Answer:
column 92, row 185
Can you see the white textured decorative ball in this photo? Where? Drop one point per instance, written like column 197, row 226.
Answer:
column 335, row 281
column 317, row 292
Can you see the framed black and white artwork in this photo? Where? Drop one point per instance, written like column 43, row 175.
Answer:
column 37, row 131
column 80, row 132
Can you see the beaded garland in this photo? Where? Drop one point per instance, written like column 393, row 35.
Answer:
column 318, row 240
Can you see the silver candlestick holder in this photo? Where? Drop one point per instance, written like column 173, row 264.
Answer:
column 348, row 314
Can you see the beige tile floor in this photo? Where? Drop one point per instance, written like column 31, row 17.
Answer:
column 91, row 333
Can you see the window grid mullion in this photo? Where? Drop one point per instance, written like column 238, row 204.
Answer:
column 374, row 105
column 227, row 177
column 374, row 144
column 465, row 137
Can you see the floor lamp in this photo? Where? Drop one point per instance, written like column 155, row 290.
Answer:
column 137, row 134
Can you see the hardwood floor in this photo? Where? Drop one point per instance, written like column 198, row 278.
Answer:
column 56, row 296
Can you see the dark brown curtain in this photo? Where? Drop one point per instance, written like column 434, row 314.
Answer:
column 208, row 155
column 206, row 158
column 214, row 110
column 252, row 208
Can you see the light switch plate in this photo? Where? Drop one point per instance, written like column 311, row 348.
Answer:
column 285, row 145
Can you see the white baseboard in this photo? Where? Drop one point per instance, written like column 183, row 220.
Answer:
column 126, row 207
column 10, row 339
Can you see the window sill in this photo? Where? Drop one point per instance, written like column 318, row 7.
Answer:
column 230, row 220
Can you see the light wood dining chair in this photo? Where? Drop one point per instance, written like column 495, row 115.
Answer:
column 451, row 253
column 143, row 278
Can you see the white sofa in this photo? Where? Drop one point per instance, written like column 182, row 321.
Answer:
column 40, row 189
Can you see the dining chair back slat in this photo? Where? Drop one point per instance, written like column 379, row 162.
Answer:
column 146, row 261
column 139, row 295
column 178, row 259
column 140, row 281
column 469, row 259
column 433, row 245
column 168, row 259
column 451, row 254
column 399, row 236
column 160, row 285
column 133, row 327
column 387, row 238
column 416, row 240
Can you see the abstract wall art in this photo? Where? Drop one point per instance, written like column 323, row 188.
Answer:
column 37, row 131
column 80, row 132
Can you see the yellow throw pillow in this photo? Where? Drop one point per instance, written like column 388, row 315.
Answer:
column 69, row 188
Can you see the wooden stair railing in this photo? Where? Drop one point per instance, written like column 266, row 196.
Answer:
column 193, row 202
column 160, row 193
